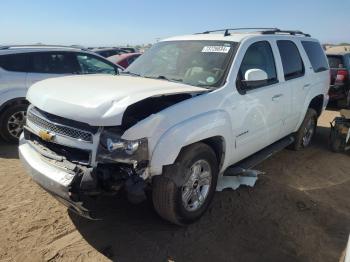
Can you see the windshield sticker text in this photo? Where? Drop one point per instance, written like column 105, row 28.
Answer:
column 216, row 49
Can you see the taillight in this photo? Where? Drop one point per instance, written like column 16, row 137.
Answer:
column 341, row 75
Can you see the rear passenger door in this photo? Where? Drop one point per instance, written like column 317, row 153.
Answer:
column 45, row 65
column 294, row 82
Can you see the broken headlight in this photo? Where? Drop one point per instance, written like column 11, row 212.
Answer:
column 114, row 149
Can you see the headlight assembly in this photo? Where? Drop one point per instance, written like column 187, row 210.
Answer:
column 114, row 149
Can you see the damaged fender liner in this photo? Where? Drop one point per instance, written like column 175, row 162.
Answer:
column 152, row 105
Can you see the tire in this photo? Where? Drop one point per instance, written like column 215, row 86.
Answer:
column 175, row 192
column 347, row 104
column 303, row 137
column 12, row 121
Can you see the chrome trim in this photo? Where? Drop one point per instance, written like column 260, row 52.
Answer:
column 47, row 127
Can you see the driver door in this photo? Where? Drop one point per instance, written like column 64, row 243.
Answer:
column 259, row 113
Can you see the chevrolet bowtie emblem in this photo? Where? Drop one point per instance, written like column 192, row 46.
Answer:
column 46, row 136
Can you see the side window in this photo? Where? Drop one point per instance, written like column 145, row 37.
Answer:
column 53, row 63
column 93, row 65
column 14, row 63
column 293, row 65
column 316, row 56
column 258, row 56
column 335, row 61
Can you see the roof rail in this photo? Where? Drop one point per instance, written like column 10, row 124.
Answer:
column 227, row 30
column 4, row 47
column 263, row 30
column 290, row 32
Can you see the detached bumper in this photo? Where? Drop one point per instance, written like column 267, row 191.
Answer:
column 53, row 179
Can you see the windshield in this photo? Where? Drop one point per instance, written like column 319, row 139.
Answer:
column 198, row 63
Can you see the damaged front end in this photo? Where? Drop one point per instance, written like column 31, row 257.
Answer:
column 72, row 159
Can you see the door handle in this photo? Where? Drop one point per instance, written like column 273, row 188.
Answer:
column 276, row 97
column 306, row 85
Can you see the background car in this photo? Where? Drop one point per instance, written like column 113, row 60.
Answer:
column 124, row 60
column 107, row 52
column 339, row 91
column 129, row 49
column 22, row 66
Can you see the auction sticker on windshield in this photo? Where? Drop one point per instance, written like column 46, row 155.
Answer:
column 216, row 49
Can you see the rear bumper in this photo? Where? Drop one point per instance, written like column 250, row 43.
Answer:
column 54, row 180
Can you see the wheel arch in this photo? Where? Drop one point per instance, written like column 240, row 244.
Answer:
column 11, row 102
column 216, row 134
column 317, row 103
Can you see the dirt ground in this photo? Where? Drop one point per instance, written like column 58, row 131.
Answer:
column 298, row 211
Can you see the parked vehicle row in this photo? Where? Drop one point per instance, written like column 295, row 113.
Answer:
column 111, row 51
column 124, row 60
column 22, row 66
column 340, row 78
column 180, row 117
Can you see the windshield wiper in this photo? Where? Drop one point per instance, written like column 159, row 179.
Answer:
column 129, row 73
column 164, row 78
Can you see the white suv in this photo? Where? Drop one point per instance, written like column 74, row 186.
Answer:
column 189, row 111
column 22, row 66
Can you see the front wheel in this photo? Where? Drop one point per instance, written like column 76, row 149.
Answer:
column 184, row 191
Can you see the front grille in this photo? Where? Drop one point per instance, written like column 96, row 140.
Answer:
column 74, row 155
column 58, row 128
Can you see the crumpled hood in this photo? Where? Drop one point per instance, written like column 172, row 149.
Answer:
column 99, row 100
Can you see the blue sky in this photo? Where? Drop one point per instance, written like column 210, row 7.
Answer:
column 92, row 22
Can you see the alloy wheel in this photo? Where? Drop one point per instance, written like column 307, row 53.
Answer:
column 16, row 123
column 196, row 188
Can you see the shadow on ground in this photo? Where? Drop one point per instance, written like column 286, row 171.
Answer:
column 8, row 150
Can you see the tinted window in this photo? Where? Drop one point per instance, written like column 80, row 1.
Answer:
column 316, row 56
column 293, row 66
column 15, row 63
column 54, row 63
column 335, row 61
column 259, row 56
column 93, row 65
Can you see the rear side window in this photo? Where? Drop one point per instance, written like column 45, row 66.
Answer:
column 293, row 66
column 54, row 63
column 316, row 56
column 335, row 61
column 14, row 63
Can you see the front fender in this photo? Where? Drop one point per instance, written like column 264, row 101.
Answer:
column 197, row 128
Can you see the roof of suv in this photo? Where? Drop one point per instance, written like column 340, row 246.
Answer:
column 240, row 34
column 15, row 49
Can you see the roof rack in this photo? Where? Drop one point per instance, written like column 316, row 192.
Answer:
column 4, row 47
column 290, row 32
column 262, row 30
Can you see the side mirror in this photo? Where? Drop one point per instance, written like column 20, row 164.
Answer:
column 253, row 75
column 253, row 78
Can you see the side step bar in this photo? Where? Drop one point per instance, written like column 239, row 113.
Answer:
column 244, row 166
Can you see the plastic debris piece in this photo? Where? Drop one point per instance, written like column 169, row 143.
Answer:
column 246, row 178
